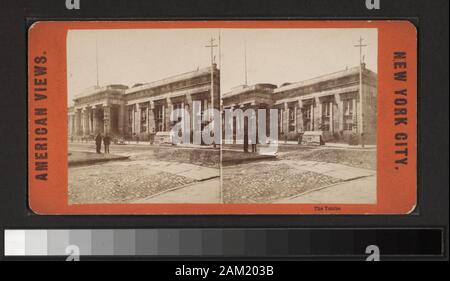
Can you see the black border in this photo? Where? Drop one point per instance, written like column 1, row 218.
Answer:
column 431, row 18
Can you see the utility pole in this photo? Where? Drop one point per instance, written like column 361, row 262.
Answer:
column 212, row 46
column 220, row 51
column 245, row 63
column 96, row 59
column 361, row 113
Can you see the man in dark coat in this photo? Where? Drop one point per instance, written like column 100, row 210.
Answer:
column 98, row 143
column 106, row 142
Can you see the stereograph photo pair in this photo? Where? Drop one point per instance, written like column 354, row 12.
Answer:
column 222, row 117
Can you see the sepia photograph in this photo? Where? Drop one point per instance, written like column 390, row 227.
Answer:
column 232, row 116
column 316, row 90
column 123, row 87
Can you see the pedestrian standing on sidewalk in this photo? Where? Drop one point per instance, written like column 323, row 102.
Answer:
column 98, row 143
column 254, row 145
column 106, row 143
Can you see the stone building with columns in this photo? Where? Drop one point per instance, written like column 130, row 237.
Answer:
column 329, row 104
column 144, row 109
column 97, row 110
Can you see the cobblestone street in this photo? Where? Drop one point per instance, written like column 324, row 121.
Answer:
column 175, row 174
column 359, row 158
column 297, row 171
column 139, row 177
column 263, row 183
column 106, row 183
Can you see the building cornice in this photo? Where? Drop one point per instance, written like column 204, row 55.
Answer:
column 172, row 79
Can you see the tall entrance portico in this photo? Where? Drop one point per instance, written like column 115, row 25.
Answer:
column 98, row 111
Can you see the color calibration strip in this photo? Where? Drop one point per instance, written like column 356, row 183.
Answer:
column 223, row 242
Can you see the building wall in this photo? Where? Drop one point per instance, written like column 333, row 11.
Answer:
column 331, row 103
column 370, row 113
column 138, row 113
column 152, row 108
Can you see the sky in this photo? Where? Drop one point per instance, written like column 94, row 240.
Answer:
column 278, row 56
column 130, row 56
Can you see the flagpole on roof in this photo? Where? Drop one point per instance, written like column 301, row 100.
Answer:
column 96, row 59
column 245, row 62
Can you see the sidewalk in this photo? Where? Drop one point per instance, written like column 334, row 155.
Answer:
column 360, row 191
column 330, row 144
column 334, row 170
column 357, row 186
column 80, row 158
column 147, row 143
column 205, row 192
column 192, row 171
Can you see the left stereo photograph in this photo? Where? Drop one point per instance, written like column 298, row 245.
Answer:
column 222, row 117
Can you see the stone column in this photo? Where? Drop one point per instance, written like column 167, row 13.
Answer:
column 300, row 117
column 183, row 116
column 107, row 119
column 91, row 129
column 319, row 116
column 254, row 120
column 188, row 108
column 75, row 125
column 188, row 103
column 295, row 118
column 339, row 113
column 168, row 112
column 72, row 125
column 286, row 119
column 280, row 120
column 138, row 119
column 85, row 122
column 121, row 120
column 331, row 117
column 81, row 122
column 163, row 114
column 91, row 121
column 95, row 121
column 151, row 120
column 87, row 129
column 112, row 126
column 355, row 115
column 228, row 123
column 317, row 111
column 246, row 121
column 135, row 117
column 77, row 122
column 133, row 129
column 151, row 117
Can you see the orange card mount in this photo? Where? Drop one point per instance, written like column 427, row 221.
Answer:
column 222, row 117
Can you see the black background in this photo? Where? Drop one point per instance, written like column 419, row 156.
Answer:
column 430, row 17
